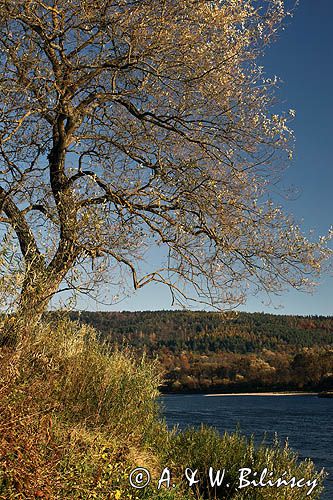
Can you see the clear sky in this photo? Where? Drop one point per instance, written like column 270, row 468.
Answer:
column 302, row 57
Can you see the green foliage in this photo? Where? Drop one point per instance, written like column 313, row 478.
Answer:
column 188, row 329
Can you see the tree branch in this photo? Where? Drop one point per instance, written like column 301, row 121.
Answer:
column 28, row 245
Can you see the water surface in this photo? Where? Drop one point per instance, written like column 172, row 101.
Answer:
column 307, row 421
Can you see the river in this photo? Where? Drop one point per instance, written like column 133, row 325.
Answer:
column 307, row 421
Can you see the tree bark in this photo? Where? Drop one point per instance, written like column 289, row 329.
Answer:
column 35, row 296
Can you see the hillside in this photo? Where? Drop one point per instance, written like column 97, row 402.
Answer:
column 205, row 351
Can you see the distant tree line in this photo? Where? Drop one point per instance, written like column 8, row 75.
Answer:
column 201, row 351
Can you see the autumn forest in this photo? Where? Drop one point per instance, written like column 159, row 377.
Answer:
column 204, row 351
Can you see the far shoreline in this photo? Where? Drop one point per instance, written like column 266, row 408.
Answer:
column 263, row 394
column 224, row 394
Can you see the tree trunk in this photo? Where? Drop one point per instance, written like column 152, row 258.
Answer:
column 35, row 296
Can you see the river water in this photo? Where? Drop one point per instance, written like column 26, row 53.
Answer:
column 307, row 422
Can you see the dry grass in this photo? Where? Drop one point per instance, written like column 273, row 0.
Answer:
column 70, row 413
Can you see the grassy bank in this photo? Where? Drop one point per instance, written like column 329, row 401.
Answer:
column 76, row 418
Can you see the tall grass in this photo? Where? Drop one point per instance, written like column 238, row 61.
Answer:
column 203, row 448
column 70, row 408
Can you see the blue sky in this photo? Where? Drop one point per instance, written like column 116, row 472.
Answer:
column 302, row 58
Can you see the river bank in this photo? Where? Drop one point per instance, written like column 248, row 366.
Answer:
column 265, row 394
column 222, row 392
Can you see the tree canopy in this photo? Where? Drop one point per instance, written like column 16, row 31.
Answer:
column 126, row 124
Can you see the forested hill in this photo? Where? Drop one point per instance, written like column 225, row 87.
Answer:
column 207, row 351
column 208, row 331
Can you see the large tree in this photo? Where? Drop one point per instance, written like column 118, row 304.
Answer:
column 127, row 124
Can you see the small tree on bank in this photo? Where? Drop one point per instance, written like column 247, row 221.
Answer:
column 126, row 124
